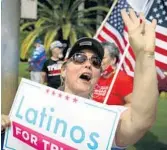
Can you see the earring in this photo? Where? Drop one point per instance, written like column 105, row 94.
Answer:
column 62, row 80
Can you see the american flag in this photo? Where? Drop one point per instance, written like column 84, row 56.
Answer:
column 114, row 30
column 158, row 11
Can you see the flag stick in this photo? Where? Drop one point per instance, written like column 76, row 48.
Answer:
column 116, row 73
column 104, row 21
column 160, row 73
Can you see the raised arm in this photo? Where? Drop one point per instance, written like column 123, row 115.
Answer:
column 137, row 120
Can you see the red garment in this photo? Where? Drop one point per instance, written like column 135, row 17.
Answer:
column 162, row 84
column 122, row 87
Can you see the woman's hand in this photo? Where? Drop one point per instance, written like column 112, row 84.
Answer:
column 141, row 34
column 5, row 122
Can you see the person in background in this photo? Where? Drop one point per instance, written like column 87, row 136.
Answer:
column 36, row 61
column 52, row 67
column 123, row 86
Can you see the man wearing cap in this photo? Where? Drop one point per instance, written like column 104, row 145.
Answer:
column 51, row 69
column 36, row 61
column 123, row 85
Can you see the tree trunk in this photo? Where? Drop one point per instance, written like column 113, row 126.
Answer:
column 9, row 52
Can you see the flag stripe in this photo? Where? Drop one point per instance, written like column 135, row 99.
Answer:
column 161, row 36
column 161, row 58
column 110, row 29
column 163, row 66
column 161, row 30
column 161, row 44
column 125, row 38
column 161, row 50
column 117, row 41
column 100, row 38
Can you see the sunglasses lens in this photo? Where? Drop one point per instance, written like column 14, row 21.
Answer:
column 96, row 62
column 79, row 58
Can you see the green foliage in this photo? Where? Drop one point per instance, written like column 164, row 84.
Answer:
column 60, row 19
column 23, row 73
column 156, row 138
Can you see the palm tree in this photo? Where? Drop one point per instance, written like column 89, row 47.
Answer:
column 59, row 19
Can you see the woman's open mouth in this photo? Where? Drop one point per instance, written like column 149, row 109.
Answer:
column 86, row 77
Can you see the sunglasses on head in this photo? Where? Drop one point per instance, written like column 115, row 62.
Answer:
column 80, row 58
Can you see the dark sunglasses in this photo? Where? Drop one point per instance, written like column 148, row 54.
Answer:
column 80, row 58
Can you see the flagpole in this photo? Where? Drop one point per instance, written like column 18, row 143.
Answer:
column 104, row 21
column 160, row 73
column 116, row 73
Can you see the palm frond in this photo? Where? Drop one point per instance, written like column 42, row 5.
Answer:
column 44, row 10
column 57, row 15
column 27, row 24
column 88, row 34
column 54, row 3
column 73, row 36
column 102, row 8
column 47, row 35
column 45, row 13
column 28, row 41
column 39, row 22
column 51, row 2
column 66, row 28
column 87, row 21
column 74, row 6
column 85, row 29
column 66, row 6
column 51, row 37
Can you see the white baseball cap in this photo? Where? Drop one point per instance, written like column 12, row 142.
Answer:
column 56, row 44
